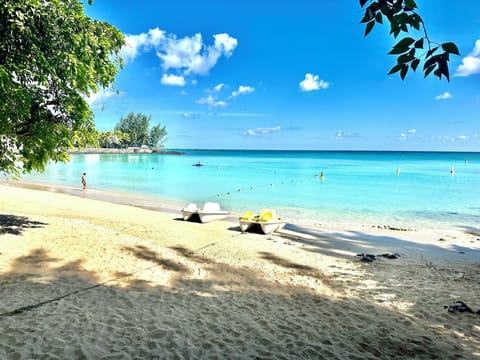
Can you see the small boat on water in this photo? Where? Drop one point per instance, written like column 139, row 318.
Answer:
column 197, row 164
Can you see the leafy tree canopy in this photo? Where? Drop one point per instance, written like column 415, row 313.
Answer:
column 157, row 136
column 112, row 139
column 403, row 16
column 51, row 58
column 137, row 127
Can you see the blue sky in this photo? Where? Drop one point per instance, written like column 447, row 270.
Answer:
column 289, row 75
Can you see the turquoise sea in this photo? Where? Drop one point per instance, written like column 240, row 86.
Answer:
column 358, row 186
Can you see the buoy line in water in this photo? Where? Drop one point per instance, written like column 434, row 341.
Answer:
column 266, row 186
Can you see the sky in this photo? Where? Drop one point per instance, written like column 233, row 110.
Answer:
column 289, row 75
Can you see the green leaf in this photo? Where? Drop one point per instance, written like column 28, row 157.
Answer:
column 415, row 21
column 451, row 48
column 404, row 43
column 402, row 59
column 396, row 51
column 365, row 19
column 369, row 27
column 419, row 44
column 379, row 18
column 414, row 64
column 429, row 70
column 443, row 67
column 404, row 71
column 394, row 69
column 374, row 7
column 410, row 4
column 385, row 9
column 431, row 51
column 363, row 2
column 429, row 62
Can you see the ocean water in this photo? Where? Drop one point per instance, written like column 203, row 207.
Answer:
column 357, row 187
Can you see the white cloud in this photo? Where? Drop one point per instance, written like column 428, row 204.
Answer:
column 242, row 90
column 136, row 44
column 211, row 102
column 208, row 100
column 156, row 36
column 339, row 135
column 221, row 104
column 130, row 50
column 218, row 87
column 462, row 137
column 97, row 100
column 446, row 138
column 173, row 80
column 187, row 55
column 243, row 115
column 444, row 96
column 262, row 130
column 312, row 82
column 471, row 63
column 191, row 115
column 225, row 43
column 476, row 49
column 188, row 114
column 180, row 53
column 191, row 56
column 405, row 135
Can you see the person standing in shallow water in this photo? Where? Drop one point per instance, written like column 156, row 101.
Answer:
column 84, row 183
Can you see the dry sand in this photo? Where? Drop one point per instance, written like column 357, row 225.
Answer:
column 86, row 279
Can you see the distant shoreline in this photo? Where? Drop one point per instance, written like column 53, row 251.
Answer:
column 125, row 151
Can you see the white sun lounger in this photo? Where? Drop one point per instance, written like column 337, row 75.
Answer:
column 209, row 212
column 266, row 220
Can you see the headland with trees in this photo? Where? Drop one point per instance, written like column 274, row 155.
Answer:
column 132, row 134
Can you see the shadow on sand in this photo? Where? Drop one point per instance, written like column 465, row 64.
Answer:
column 349, row 243
column 15, row 225
column 232, row 312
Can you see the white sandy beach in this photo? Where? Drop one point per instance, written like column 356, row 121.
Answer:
column 87, row 279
